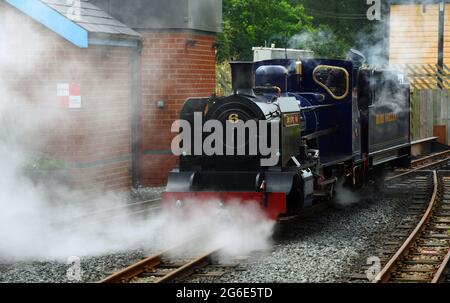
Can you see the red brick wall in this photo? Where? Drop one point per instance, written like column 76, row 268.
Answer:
column 95, row 139
column 171, row 72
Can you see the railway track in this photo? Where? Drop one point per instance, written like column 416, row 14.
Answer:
column 425, row 255
column 424, row 162
column 417, row 188
column 163, row 267
column 434, row 162
column 132, row 210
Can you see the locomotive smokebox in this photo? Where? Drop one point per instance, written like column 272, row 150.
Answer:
column 243, row 78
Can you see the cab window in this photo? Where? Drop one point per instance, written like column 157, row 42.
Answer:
column 335, row 80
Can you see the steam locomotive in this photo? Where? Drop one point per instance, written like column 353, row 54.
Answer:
column 337, row 122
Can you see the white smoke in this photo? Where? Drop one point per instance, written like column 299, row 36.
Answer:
column 38, row 221
column 345, row 196
column 322, row 41
column 31, row 228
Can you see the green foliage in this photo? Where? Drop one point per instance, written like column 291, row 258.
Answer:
column 323, row 41
column 223, row 79
column 349, row 23
column 249, row 23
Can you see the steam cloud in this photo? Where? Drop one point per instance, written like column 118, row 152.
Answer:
column 345, row 197
column 38, row 222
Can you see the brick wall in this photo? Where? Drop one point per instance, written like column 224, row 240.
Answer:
column 94, row 140
column 171, row 72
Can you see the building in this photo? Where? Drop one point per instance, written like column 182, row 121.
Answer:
column 271, row 53
column 419, row 44
column 80, row 76
column 114, row 80
column 414, row 32
column 177, row 62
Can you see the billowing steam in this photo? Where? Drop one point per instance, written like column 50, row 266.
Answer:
column 345, row 197
column 42, row 222
column 32, row 228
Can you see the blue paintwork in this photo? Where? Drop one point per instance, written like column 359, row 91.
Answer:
column 339, row 115
column 275, row 74
column 53, row 20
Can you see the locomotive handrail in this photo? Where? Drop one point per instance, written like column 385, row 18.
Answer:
column 327, row 89
column 320, row 133
column 311, row 108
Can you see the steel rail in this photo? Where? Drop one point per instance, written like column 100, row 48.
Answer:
column 424, row 167
column 120, row 208
column 188, row 269
column 439, row 276
column 385, row 274
column 416, row 162
column 132, row 271
column 151, row 263
column 391, row 267
column 114, row 212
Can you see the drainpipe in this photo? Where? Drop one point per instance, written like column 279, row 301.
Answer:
column 441, row 42
column 135, row 77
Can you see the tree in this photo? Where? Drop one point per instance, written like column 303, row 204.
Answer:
column 322, row 41
column 249, row 23
column 345, row 18
column 347, row 21
column 287, row 23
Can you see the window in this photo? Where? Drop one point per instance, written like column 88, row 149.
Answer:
column 335, row 80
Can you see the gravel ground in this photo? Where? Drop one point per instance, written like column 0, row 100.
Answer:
column 328, row 247
column 92, row 269
column 145, row 193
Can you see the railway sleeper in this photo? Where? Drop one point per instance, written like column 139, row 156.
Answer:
column 426, row 250
column 418, row 268
column 434, row 243
column 421, row 261
column 412, row 277
column 439, row 219
column 430, row 235
column 440, row 227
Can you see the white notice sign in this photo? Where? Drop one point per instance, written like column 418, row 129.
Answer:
column 74, row 101
column 63, row 89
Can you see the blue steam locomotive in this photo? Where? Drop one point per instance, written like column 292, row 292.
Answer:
column 336, row 119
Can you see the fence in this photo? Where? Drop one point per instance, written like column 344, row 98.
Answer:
column 430, row 100
column 426, row 76
column 430, row 114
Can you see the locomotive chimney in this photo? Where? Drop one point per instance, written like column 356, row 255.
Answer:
column 243, row 78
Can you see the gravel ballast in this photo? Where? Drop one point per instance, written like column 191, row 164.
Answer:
column 327, row 247
column 93, row 269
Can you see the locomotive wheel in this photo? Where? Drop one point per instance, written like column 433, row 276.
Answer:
column 294, row 199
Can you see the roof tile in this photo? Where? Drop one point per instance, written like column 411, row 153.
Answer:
column 92, row 18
